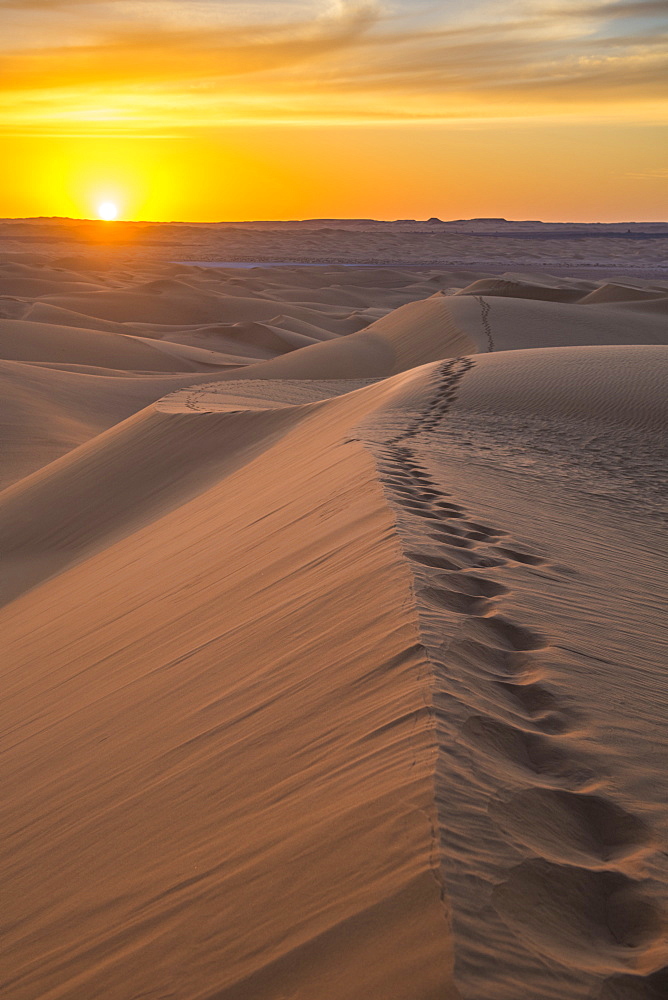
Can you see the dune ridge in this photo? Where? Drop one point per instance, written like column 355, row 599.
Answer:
column 316, row 683
column 590, row 867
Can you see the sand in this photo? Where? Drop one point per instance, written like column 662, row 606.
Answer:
column 334, row 656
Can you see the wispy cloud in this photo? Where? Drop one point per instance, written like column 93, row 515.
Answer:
column 623, row 9
column 144, row 64
column 651, row 175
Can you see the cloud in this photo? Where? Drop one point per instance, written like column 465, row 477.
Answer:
column 661, row 174
column 354, row 60
column 622, row 9
column 131, row 54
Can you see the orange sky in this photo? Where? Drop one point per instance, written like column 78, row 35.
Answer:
column 212, row 109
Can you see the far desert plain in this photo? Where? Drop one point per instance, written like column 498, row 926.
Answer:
column 333, row 611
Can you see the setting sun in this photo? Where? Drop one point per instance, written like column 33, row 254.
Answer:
column 107, row 211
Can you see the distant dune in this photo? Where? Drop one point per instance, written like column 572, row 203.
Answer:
column 334, row 650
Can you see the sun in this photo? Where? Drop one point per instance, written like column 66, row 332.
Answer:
column 108, row 211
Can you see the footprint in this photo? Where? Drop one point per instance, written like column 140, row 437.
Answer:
column 476, row 586
column 580, row 917
column 467, row 559
column 500, row 632
column 486, row 562
column 530, row 752
column 406, row 491
column 436, row 536
column 452, row 600
column 521, row 557
column 540, row 706
column 459, row 559
column 437, row 562
column 651, row 987
column 478, row 658
column 571, row 828
column 459, row 543
column 411, row 501
column 531, row 698
column 450, row 529
column 490, row 532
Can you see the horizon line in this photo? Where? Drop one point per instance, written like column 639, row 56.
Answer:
column 320, row 219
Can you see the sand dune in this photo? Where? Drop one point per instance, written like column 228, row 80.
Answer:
column 23, row 340
column 23, row 280
column 47, row 411
column 165, row 302
column 338, row 675
column 655, row 307
column 550, row 324
column 515, row 289
column 612, row 292
column 447, row 326
column 250, row 340
column 408, row 336
column 45, row 312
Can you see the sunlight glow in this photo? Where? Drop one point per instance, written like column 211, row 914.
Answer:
column 107, row 211
column 310, row 109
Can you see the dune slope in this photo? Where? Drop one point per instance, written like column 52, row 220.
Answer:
column 248, row 790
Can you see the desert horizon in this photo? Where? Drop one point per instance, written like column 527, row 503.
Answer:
column 432, row 220
column 596, row 249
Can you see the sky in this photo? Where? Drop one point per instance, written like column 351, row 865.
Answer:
column 206, row 110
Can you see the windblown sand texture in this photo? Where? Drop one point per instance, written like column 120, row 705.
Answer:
column 334, row 665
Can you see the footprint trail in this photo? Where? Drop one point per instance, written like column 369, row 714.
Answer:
column 512, row 767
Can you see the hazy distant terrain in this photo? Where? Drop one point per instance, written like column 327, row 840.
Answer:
column 477, row 242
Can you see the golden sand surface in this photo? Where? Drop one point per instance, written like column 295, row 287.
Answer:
column 334, row 655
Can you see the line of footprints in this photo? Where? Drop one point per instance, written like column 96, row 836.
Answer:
column 583, row 849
